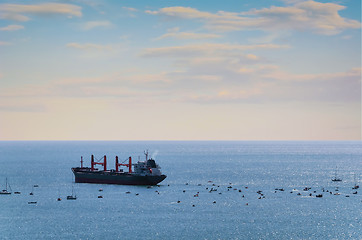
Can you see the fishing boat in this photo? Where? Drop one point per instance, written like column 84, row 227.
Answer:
column 6, row 191
column 143, row 173
column 336, row 179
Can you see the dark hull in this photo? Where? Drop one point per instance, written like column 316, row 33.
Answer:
column 115, row 178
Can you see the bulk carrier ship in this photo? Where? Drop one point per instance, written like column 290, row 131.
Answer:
column 145, row 172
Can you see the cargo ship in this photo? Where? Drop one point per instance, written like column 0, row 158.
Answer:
column 144, row 172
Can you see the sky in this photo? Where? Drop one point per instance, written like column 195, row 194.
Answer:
column 180, row 70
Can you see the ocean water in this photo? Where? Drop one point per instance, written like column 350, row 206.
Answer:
column 236, row 169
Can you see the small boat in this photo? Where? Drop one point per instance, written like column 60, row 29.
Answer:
column 73, row 196
column 6, row 191
column 32, row 191
column 32, row 202
column 336, row 179
column 319, row 195
column 356, row 186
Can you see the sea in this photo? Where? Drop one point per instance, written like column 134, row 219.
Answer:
column 213, row 190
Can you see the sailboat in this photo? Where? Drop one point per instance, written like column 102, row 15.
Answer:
column 356, row 186
column 73, row 196
column 336, row 179
column 32, row 191
column 5, row 191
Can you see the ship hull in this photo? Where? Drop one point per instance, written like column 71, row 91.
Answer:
column 102, row 177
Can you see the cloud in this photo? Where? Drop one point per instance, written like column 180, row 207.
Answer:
column 113, row 87
column 22, row 107
column 321, row 18
column 231, row 73
column 96, row 24
column 5, row 43
column 89, row 46
column 130, row 9
column 174, row 33
column 12, row 28
column 254, row 84
column 206, row 48
column 273, row 85
column 18, row 12
column 183, row 12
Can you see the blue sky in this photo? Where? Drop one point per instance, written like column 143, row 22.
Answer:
column 180, row 70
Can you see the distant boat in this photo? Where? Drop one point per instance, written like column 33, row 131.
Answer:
column 356, row 186
column 336, row 179
column 32, row 191
column 73, row 196
column 6, row 191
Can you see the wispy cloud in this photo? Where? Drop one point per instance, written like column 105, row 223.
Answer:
column 135, row 88
column 223, row 73
column 321, row 18
column 89, row 46
column 258, row 84
column 12, row 28
column 206, row 48
column 21, row 106
column 174, row 33
column 5, row 43
column 272, row 86
column 19, row 12
column 96, row 24
column 130, row 9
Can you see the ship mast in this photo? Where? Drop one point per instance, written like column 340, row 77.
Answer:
column 146, row 153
